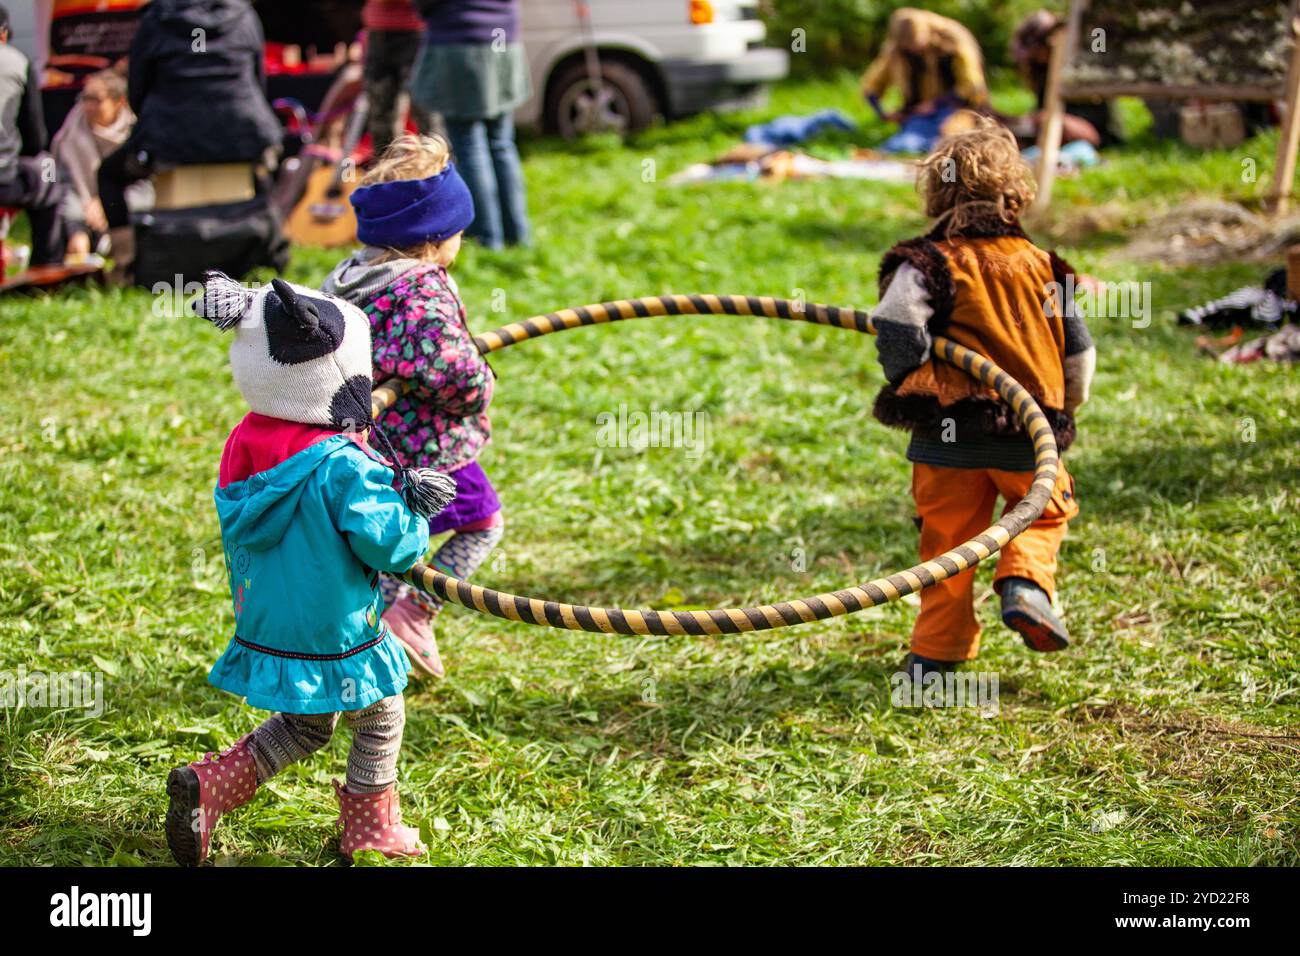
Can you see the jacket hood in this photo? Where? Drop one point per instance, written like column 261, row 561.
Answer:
column 256, row 512
column 359, row 278
column 213, row 15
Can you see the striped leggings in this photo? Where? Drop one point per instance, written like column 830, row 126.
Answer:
column 376, row 737
column 459, row 556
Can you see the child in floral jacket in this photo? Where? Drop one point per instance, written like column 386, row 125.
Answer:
column 412, row 208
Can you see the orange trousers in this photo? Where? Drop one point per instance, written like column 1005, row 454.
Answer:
column 955, row 504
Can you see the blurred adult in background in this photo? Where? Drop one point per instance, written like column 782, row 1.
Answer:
column 28, row 176
column 937, row 65
column 197, row 84
column 393, row 29
column 471, row 69
column 75, row 39
column 1031, row 51
column 98, row 125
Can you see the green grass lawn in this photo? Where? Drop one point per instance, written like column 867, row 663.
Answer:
column 1167, row 734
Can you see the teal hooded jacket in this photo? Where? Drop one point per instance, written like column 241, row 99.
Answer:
column 304, row 541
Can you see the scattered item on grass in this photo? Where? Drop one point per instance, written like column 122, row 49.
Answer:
column 1210, row 345
column 1265, row 305
column 1280, row 346
column 1067, row 225
column 919, row 132
column 750, row 163
column 1205, row 231
column 788, row 130
column 1268, row 306
column 803, row 166
column 710, row 173
column 761, row 156
column 745, row 153
column 1072, row 157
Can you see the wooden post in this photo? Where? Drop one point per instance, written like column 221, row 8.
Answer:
column 1293, row 272
column 1049, row 132
column 1279, row 195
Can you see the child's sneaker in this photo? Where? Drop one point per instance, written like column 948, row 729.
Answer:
column 413, row 626
column 917, row 668
column 373, row 821
column 1027, row 609
column 201, row 792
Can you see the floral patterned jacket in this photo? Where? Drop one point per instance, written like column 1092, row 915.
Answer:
column 419, row 333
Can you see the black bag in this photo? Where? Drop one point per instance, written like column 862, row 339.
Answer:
column 234, row 238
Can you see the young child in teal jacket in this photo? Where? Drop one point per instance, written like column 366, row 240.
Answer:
column 310, row 515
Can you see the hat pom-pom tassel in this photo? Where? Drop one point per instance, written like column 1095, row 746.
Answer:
column 224, row 300
column 427, row 492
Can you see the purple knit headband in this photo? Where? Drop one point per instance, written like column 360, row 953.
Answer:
column 411, row 212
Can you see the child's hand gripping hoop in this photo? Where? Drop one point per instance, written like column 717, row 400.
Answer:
column 577, row 617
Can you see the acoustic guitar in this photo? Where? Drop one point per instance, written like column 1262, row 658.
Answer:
column 324, row 216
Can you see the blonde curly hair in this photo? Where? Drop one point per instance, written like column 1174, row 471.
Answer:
column 414, row 157
column 975, row 171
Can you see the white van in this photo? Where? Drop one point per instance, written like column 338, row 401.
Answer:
column 657, row 57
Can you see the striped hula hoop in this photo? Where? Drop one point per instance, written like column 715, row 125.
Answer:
column 612, row 620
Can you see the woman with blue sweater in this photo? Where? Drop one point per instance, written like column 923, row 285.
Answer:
column 472, row 70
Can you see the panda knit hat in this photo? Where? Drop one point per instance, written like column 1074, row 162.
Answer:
column 298, row 355
column 304, row 356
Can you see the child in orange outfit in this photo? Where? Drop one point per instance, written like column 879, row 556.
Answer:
column 978, row 280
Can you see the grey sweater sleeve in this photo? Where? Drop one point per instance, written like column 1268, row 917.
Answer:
column 902, row 336
column 1080, row 358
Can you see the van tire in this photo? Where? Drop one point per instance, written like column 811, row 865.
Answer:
column 633, row 100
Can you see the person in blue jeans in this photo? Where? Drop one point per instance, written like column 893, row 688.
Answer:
column 471, row 69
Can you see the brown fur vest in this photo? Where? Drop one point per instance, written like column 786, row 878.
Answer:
column 991, row 290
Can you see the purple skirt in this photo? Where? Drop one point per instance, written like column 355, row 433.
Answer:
column 475, row 500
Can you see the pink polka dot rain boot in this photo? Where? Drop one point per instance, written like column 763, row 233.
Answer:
column 373, row 821
column 201, row 792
